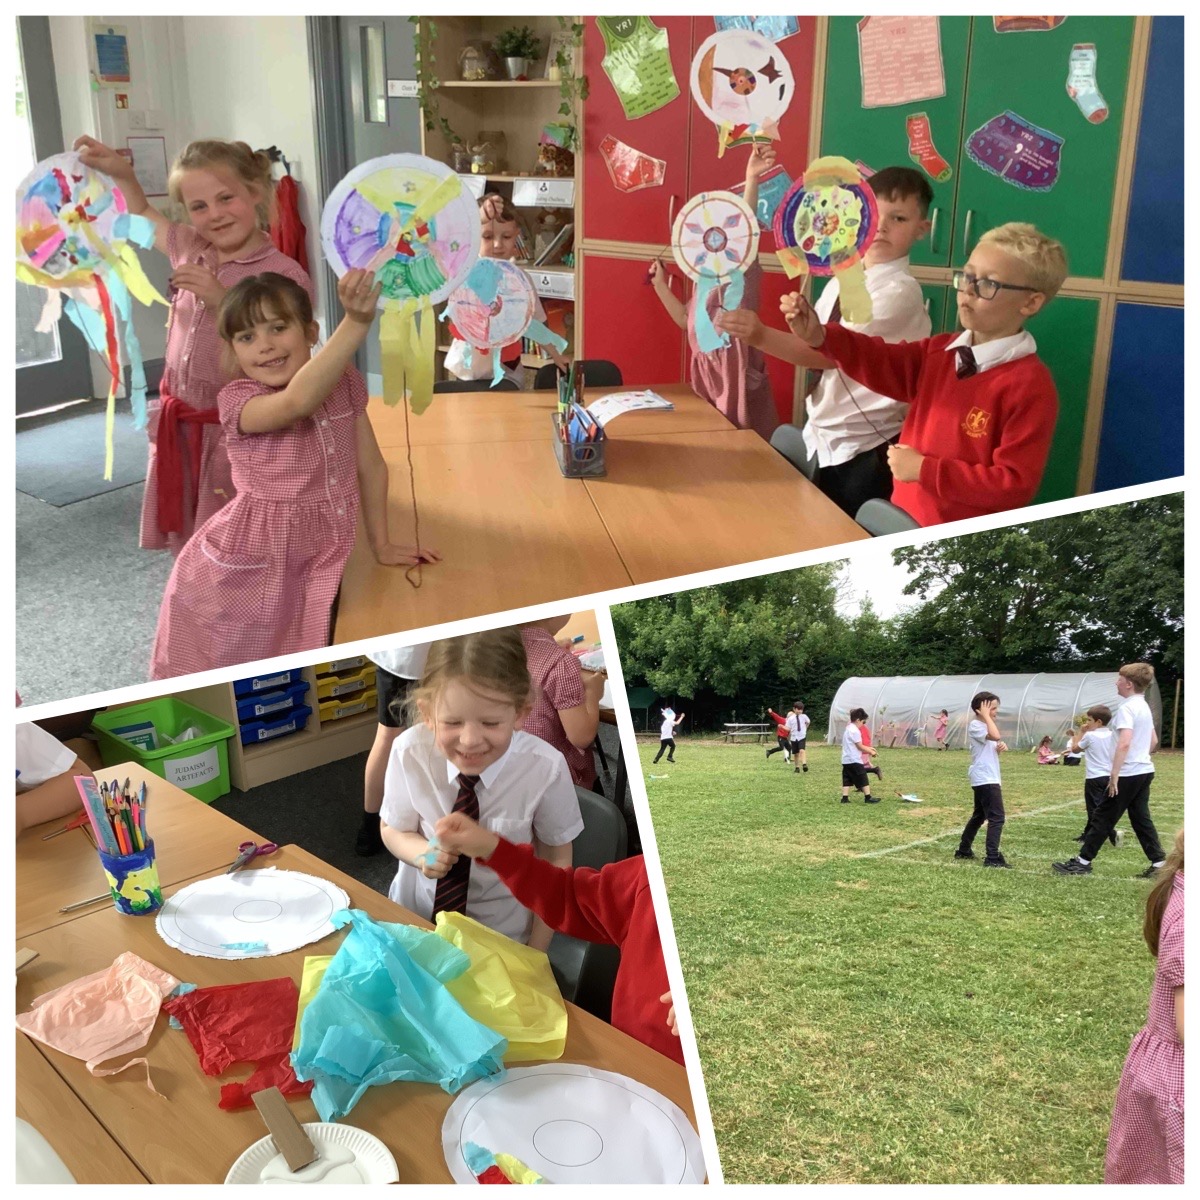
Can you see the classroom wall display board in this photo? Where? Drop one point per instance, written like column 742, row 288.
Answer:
column 77, row 238
column 409, row 220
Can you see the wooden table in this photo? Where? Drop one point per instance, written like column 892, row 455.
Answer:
column 685, row 492
column 188, row 1139
column 189, row 839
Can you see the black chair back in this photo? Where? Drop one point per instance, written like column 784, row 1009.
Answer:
column 598, row 372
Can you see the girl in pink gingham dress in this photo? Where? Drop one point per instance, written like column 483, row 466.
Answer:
column 226, row 190
column 258, row 579
column 1145, row 1143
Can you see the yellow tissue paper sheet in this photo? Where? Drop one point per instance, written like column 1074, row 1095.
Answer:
column 310, row 980
column 794, row 264
column 856, row 300
column 406, row 341
column 830, row 171
column 516, row 1170
column 509, row 988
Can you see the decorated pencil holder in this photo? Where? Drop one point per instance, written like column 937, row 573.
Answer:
column 578, row 460
column 133, row 880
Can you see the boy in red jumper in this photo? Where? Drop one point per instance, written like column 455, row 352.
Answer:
column 982, row 405
column 611, row 905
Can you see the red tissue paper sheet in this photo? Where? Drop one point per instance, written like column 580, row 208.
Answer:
column 243, row 1022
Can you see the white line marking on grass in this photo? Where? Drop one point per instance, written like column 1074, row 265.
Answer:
column 950, row 866
column 1033, row 812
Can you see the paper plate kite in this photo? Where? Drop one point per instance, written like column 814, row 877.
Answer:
column 76, row 235
column 406, row 218
column 743, row 83
column 824, row 225
column 494, row 308
column 715, row 240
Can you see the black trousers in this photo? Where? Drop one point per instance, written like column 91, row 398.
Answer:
column 1133, row 797
column 989, row 807
column 784, row 744
column 851, row 484
column 664, row 745
column 1094, row 791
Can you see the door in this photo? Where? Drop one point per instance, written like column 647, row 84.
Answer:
column 644, row 214
column 878, row 137
column 52, row 367
column 939, row 304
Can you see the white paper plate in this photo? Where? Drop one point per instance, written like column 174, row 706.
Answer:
column 574, row 1124
column 250, row 914
column 347, row 1155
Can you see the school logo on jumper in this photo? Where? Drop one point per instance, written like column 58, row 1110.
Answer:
column 976, row 424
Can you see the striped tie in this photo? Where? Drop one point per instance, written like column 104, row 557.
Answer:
column 966, row 365
column 451, row 892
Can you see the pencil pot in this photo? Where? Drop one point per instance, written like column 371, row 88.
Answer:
column 133, row 880
column 579, row 460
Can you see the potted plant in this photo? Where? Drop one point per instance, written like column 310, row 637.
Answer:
column 517, row 46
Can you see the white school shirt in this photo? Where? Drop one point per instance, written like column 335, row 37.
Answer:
column 39, row 756
column 797, row 725
column 668, row 724
column 1098, row 746
column 1002, row 350
column 1135, row 714
column 405, row 662
column 835, row 430
column 985, row 758
column 527, row 792
column 852, row 745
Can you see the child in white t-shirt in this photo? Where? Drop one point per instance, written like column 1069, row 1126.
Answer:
column 853, row 752
column 1097, row 746
column 466, row 754
column 666, row 739
column 797, row 723
column 983, row 737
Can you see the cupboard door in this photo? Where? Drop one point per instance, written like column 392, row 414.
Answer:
column 1154, row 230
column 642, row 215
column 1026, row 74
column 939, row 304
column 879, row 137
column 625, row 323
column 709, row 173
column 1141, row 437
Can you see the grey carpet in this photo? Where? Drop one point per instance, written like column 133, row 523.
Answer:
column 60, row 456
column 87, row 597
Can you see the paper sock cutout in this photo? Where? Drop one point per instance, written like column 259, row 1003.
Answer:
column 1081, row 83
column 922, row 150
column 630, row 169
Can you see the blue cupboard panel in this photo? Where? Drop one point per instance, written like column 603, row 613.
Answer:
column 1141, row 437
column 1154, row 233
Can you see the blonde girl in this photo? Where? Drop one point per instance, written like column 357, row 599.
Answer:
column 226, row 191
column 466, row 753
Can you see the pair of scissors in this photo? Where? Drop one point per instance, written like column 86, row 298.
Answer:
column 249, row 850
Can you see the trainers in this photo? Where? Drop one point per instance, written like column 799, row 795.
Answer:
column 845, row 799
column 1150, row 872
column 1079, row 838
column 795, row 770
column 1072, row 867
column 870, row 799
column 1117, row 837
column 806, row 768
column 768, row 756
column 964, row 854
column 997, row 862
column 368, row 841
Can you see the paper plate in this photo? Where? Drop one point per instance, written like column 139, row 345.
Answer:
column 741, row 78
column 347, row 1155
column 494, row 306
column 250, row 914
column 715, row 235
column 574, row 1124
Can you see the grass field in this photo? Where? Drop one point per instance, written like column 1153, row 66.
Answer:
column 870, row 1010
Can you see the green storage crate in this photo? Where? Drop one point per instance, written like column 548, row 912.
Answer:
column 200, row 766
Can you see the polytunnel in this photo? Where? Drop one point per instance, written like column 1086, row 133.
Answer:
column 903, row 709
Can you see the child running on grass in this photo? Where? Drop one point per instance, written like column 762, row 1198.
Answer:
column 983, row 736
column 666, row 738
column 853, row 754
column 781, row 736
column 1097, row 746
column 1145, row 1142
column 871, row 769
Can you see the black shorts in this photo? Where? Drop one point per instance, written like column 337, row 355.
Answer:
column 854, row 775
column 392, row 692
column 799, row 744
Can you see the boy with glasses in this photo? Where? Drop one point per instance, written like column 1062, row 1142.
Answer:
column 982, row 405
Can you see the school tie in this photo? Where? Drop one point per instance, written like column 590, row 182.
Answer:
column 966, row 365
column 451, row 892
column 835, row 318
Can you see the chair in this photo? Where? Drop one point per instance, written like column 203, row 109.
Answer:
column 586, row 971
column 789, row 441
column 474, row 385
column 878, row 517
column 597, row 372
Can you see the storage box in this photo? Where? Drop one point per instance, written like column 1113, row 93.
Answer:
column 335, row 710
column 271, row 682
column 199, row 766
column 350, row 663
column 253, row 732
column 271, row 705
column 346, row 684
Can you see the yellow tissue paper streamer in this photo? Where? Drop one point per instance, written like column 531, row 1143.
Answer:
column 516, row 1170
column 794, row 264
column 856, row 300
column 509, row 988
column 310, row 980
column 406, row 341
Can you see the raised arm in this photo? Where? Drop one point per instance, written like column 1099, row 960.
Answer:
column 105, row 159
column 675, row 307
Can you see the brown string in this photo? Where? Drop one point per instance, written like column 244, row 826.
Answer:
column 406, row 400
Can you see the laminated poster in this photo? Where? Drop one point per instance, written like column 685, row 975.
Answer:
column 775, row 27
column 637, row 61
column 900, row 60
column 772, row 187
column 1017, row 151
column 631, row 170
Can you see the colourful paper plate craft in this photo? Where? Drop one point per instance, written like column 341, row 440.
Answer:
column 824, row 226
column 76, row 235
column 743, row 83
column 494, row 308
column 406, row 218
column 715, row 240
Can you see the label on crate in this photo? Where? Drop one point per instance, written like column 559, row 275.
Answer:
column 260, row 709
column 544, row 193
column 268, row 681
column 194, row 770
column 264, row 734
column 474, row 185
column 350, row 710
column 344, row 689
column 344, row 664
column 556, row 285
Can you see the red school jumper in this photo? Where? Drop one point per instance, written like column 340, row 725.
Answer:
column 985, row 438
column 611, row 905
